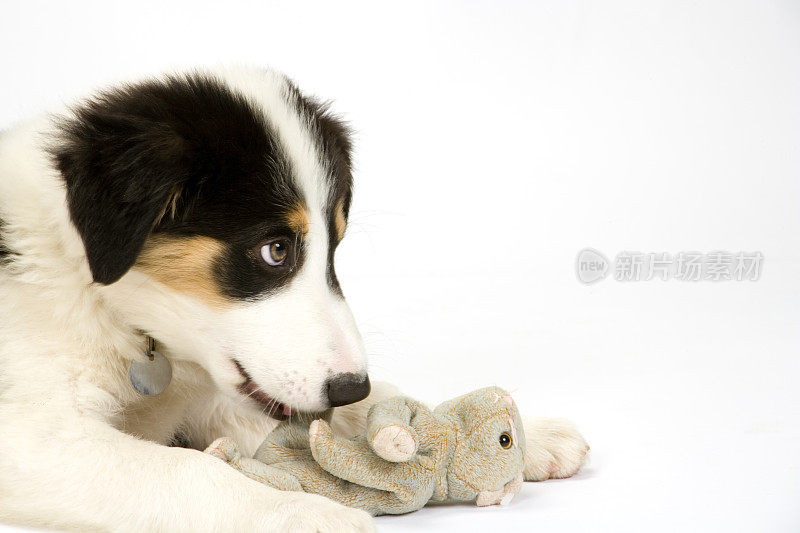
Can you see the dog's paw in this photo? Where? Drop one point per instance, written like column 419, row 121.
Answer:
column 225, row 449
column 554, row 449
column 394, row 443
column 312, row 513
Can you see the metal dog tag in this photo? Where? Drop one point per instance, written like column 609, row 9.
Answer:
column 151, row 376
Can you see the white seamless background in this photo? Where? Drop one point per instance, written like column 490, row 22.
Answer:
column 494, row 142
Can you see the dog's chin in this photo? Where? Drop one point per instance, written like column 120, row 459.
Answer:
column 260, row 400
column 267, row 404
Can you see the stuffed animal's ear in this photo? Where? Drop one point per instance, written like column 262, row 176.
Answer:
column 121, row 169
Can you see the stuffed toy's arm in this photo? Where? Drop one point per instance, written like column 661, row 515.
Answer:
column 376, row 485
column 390, row 431
column 227, row 450
column 283, row 443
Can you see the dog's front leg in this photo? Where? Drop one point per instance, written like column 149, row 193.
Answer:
column 80, row 473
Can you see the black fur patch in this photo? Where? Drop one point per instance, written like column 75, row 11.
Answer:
column 5, row 252
column 129, row 152
column 335, row 141
column 190, row 143
column 179, row 440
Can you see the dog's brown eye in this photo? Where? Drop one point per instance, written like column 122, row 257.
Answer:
column 274, row 253
column 505, row 441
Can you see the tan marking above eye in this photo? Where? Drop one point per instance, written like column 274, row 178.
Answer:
column 185, row 264
column 297, row 219
column 339, row 220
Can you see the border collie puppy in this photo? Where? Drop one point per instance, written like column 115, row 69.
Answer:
column 196, row 216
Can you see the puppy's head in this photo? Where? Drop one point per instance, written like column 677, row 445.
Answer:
column 210, row 207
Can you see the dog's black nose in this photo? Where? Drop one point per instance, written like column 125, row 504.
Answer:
column 344, row 389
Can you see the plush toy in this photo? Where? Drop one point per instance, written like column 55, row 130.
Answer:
column 469, row 448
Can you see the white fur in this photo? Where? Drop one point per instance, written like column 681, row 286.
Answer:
column 290, row 343
column 81, row 449
column 554, row 449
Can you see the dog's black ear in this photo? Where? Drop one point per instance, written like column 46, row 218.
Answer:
column 129, row 153
column 121, row 162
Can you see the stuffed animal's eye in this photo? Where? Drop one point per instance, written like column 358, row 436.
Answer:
column 505, row 441
column 274, row 253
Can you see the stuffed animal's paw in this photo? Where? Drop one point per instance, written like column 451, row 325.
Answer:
column 511, row 489
column 317, row 429
column 395, row 443
column 277, row 479
column 502, row 496
column 225, row 449
column 489, row 497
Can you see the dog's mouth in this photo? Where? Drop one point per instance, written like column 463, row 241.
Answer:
column 269, row 405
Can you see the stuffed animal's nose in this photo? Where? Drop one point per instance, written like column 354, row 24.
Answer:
column 344, row 389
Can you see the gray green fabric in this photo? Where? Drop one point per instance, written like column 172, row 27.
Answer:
column 407, row 456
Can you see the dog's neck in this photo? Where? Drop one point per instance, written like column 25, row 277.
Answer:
column 49, row 304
